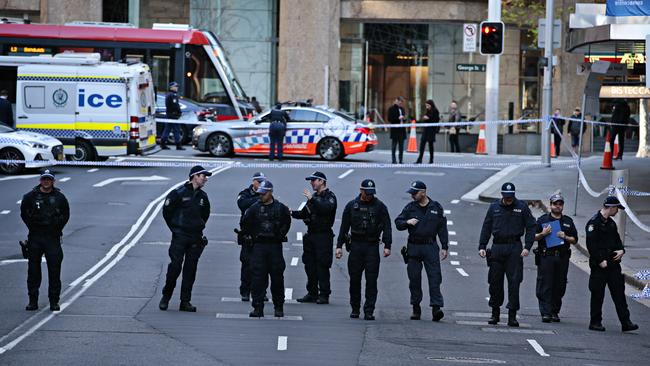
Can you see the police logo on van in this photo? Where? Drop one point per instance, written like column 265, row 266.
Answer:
column 60, row 98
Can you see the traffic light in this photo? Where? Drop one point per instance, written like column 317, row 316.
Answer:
column 491, row 38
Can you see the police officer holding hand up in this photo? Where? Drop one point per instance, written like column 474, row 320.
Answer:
column 318, row 214
column 268, row 222
column 367, row 218
column 424, row 219
column 506, row 221
column 186, row 211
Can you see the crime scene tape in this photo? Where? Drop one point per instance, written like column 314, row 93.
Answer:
column 595, row 122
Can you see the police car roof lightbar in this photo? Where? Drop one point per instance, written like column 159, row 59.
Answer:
column 58, row 59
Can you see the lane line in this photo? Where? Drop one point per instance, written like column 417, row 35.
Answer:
column 347, row 172
column 288, row 293
column 453, row 253
column 473, row 195
column 483, row 323
column 451, row 242
column 92, row 170
column 450, row 223
column 447, row 212
column 64, row 179
column 5, row 212
column 455, row 202
column 299, row 236
column 282, row 343
column 521, row 331
column 294, row 261
column 538, row 348
column 271, row 318
column 452, row 233
column 302, row 205
column 19, row 202
column 416, row 172
column 296, row 244
column 29, row 176
column 455, row 263
column 462, row 272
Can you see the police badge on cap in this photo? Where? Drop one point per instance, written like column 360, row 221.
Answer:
column 368, row 186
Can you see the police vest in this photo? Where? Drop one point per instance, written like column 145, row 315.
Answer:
column 269, row 221
column 365, row 221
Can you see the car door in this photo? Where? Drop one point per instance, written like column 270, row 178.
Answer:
column 303, row 131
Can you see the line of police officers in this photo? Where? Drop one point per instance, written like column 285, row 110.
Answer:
column 365, row 224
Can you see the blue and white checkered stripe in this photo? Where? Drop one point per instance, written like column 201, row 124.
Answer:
column 302, row 136
column 96, row 134
column 355, row 137
column 250, row 141
column 7, row 140
column 89, row 79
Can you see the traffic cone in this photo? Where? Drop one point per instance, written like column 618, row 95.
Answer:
column 615, row 153
column 607, row 155
column 480, row 146
column 413, row 140
column 553, row 146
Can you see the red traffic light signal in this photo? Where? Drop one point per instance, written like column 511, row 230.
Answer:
column 491, row 40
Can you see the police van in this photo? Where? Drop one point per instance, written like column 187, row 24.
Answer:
column 97, row 109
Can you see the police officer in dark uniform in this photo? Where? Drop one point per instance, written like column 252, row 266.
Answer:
column 506, row 221
column 552, row 258
column 318, row 214
column 364, row 220
column 268, row 222
column 245, row 199
column 277, row 131
column 424, row 219
column 186, row 211
column 605, row 254
column 45, row 211
column 172, row 111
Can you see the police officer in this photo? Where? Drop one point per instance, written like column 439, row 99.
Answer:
column 318, row 214
column 605, row 254
column 552, row 258
column 366, row 218
column 245, row 199
column 506, row 221
column 424, row 219
column 268, row 222
column 186, row 211
column 45, row 211
column 277, row 130
column 172, row 111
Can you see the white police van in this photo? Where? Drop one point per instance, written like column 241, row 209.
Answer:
column 97, row 109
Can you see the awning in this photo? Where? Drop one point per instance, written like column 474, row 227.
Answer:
column 609, row 38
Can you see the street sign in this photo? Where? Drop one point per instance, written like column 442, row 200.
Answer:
column 470, row 67
column 557, row 33
column 469, row 37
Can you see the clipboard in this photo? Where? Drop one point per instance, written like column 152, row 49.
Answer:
column 552, row 240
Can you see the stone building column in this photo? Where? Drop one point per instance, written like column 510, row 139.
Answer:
column 309, row 39
column 63, row 11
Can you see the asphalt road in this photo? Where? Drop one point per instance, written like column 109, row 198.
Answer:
column 116, row 256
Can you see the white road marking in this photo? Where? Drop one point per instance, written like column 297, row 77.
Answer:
column 302, row 205
column 224, row 215
column 347, row 172
column 538, row 348
column 447, row 212
column 19, row 202
column 4, row 212
column 487, row 298
column 473, row 195
column 453, row 253
column 515, row 330
column 124, row 179
column 245, row 316
column 462, row 272
column 450, row 223
column 452, row 233
column 416, row 172
column 238, row 299
column 64, row 179
column 288, row 293
column 296, row 244
column 483, row 323
column 92, row 170
column 294, row 261
column 455, row 202
column 299, row 236
column 282, row 343
column 29, row 176
column 455, row 263
column 453, row 242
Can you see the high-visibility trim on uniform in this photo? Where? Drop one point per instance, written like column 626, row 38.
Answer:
column 92, row 126
column 85, row 78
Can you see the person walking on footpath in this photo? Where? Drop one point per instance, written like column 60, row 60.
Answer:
column 454, row 116
column 574, row 129
column 397, row 116
column 557, row 133
column 431, row 115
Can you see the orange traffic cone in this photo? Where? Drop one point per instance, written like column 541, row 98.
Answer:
column 413, row 140
column 607, row 155
column 616, row 146
column 553, row 146
column 480, row 146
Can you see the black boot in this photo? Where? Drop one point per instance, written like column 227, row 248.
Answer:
column 355, row 312
column 258, row 311
column 179, row 147
column 547, row 318
column 437, row 313
column 307, row 298
column 629, row 326
column 368, row 316
column 555, row 318
column 597, row 327
column 33, row 304
column 323, row 300
column 187, row 306
column 164, row 146
column 279, row 311
column 494, row 319
column 164, row 303
column 417, row 312
column 245, row 297
column 54, row 305
column 512, row 318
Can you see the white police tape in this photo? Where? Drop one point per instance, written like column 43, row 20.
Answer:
column 631, row 213
column 594, row 122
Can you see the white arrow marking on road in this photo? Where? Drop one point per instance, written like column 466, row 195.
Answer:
column 282, row 343
column 64, row 179
column 294, row 261
column 462, row 272
column 453, row 242
column 348, row 172
column 455, row 201
column 455, row 263
column 299, row 236
column 4, row 212
column 124, row 179
column 30, row 176
column 450, row 223
column 452, row 233
column 92, row 170
column 288, row 293
column 538, row 347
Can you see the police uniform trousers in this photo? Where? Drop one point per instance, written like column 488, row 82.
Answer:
column 317, row 258
column 364, row 257
column 184, row 253
column 246, row 276
column 429, row 256
column 551, row 281
column 50, row 246
column 277, row 133
column 267, row 260
column 505, row 259
column 612, row 278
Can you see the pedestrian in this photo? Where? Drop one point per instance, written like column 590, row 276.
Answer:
column 555, row 235
column 397, row 116
column 268, row 222
column 425, row 220
column 576, row 129
column 506, row 222
column 256, row 105
column 431, row 115
column 6, row 112
column 186, row 211
column 277, row 131
column 605, row 253
column 172, row 111
column 365, row 219
column 318, row 214
column 45, row 211
column 557, row 132
column 454, row 116
column 245, row 199
column 620, row 120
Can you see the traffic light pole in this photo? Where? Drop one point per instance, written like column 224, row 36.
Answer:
column 547, row 100
column 492, row 86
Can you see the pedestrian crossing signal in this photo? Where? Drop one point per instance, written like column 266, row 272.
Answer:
column 491, row 39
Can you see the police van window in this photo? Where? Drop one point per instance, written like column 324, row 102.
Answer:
column 202, row 82
column 302, row 115
column 34, row 97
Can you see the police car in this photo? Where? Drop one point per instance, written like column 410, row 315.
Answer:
column 37, row 148
column 311, row 131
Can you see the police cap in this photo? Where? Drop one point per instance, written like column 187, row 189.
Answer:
column 317, row 175
column 368, row 185
column 173, row 84
column 416, row 187
column 259, row 176
column 612, row 201
column 197, row 169
column 47, row 175
column 265, row 186
column 556, row 198
column 508, row 189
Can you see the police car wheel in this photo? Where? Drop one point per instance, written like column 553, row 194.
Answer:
column 83, row 152
column 330, row 149
column 219, row 145
column 11, row 168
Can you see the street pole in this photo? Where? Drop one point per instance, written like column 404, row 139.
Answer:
column 547, row 100
column 492, row 86
column 365, row 91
